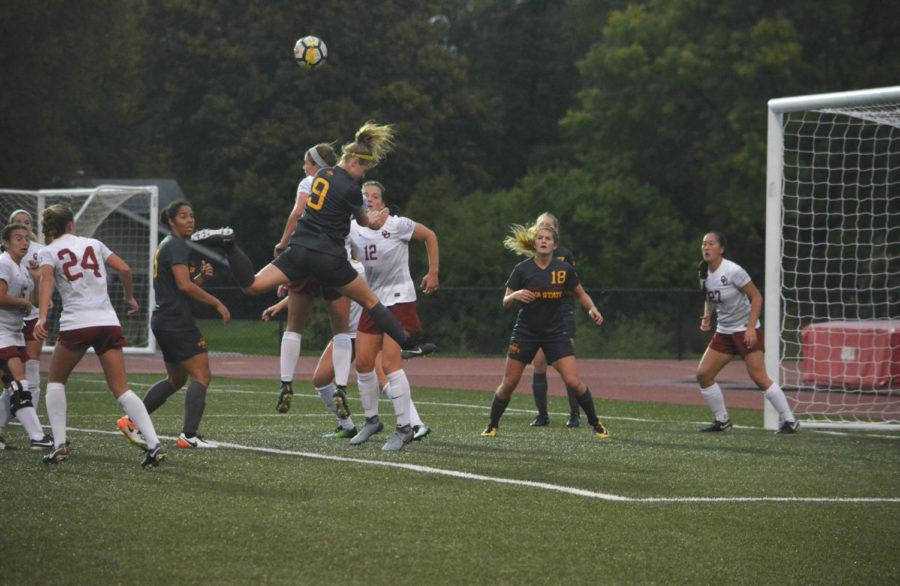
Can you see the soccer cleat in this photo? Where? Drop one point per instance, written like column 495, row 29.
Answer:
column 600, row 431
column 541, row 420
column 789, row 427
column 718, row 426
column 195, row 441
column 420, row 431
column 45, row 443
column 489, row 431
column 574, row 420
column 340, row 402
column 57, row 455
column 130, row 431
column 398, row 439
column 284, row 397
column 341, row 433
column 372, row 426
column 418, row 350
column 154, row 457
column 223, row 237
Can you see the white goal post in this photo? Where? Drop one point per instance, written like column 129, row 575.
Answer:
column 123, row 217
column 832, row 283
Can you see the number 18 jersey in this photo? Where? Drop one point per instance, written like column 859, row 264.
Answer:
column 79, row 271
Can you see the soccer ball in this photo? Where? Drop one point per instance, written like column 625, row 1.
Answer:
column 310, row 52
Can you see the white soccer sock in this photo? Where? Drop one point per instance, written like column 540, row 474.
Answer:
column 290, row 354
column 56, row 412
column 136, row 411
column 28, row 417
column 5, row 411
column 400, row 396
column 776, row 396
column 368, row 392
column 341, row 354
column 386, row 388
column 326, row 393
column 716, row 401
column 33, row 375
column 414, row 418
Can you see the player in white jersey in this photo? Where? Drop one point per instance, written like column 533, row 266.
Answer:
column 728, row 289
column 77, row 267
column 384, row 251
column 16, row 296
column 32, row 344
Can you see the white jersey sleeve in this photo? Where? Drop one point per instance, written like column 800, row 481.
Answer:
column 385, row 256
column 18, row 284
column 80, row 275
column 305, row 185
column 30, row 260
column 723, row 290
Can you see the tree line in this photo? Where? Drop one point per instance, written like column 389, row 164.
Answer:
column 640, row 124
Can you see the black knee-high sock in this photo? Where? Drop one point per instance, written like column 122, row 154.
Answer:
column 587, row 403
column 385, row 320
column 241, row 266
column 573, row 400
column 539, row 388
column 498, row 406
column 194, row 404
column 158, row 394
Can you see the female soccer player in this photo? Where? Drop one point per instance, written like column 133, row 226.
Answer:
column 540, row 284
column 182, row 344
column 32, row 344
column 727, row 288
column 16, row 293
column 539, row 376
column 317, row 245
column 384, row 253
column 77, row 267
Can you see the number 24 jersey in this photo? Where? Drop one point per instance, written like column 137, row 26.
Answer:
column 79, row 271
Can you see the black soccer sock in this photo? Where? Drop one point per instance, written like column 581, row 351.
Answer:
column 498, row 406
column 573, row 401
column 539, row 388
column 385, row 320
column 194, row 404
column 586, row 401
column 241, row 266
column 158, row 394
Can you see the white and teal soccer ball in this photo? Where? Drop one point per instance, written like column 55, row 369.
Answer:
column 310, row 52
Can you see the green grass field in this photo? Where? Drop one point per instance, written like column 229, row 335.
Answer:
column 656, row 503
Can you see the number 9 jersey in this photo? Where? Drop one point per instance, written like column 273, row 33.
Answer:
column 333, row 197
column 79, row 271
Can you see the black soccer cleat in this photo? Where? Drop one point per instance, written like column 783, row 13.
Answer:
column 284, row 398
column 45, row 443
column 222, row 237
column 574, row 420
column 718, row 426
column 418, row 350
column 789, row 427
column 154, row 457
column 58, row 455
column 541, row 420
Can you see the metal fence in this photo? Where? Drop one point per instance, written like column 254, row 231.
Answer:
column 466, row 321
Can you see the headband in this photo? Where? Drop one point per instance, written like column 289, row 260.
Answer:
column 313, row 153
column 362, row 156
column 17, row 212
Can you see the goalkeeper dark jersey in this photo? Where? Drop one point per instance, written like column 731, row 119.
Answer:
column 325, row 223
column 543, row 318
column 172, row 311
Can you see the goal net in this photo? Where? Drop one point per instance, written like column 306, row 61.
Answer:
column 119, row 216
column 832, row 295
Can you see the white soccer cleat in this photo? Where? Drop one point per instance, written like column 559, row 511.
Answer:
column 194, row 442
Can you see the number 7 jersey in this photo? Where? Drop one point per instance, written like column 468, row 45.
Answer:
column 79, row 271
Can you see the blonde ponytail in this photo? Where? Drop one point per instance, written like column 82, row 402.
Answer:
column 371, row 144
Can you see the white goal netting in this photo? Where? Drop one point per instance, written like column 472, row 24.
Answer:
column 839, row 258
column 119, row 216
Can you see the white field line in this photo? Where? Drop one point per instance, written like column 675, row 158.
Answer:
column 531, row 484
column 486, row 407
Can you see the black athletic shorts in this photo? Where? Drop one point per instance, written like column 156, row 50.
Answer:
column 569, row 321
column 298, row 262
column 524, row 351
column 179, row 346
